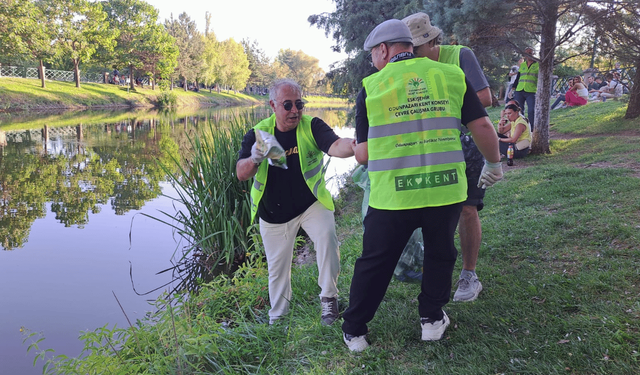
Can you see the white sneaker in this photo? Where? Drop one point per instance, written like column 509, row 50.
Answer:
column 433, row 330
column 468, row 289
column 355, row 343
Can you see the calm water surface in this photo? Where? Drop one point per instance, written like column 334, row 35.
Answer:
column 72, row 237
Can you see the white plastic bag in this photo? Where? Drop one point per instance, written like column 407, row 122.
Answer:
column 268, row 145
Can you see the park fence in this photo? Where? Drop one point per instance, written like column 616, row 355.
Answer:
column 50, row 74
column 58, row 75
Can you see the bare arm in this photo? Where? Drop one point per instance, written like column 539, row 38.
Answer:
column 514, row 135
column 485, row 97
column 504, row 127
column 485, row 137
column 245, row 169
column 362, row 153
column 343, row 148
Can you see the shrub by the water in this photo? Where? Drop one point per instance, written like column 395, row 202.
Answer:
column 167, row 99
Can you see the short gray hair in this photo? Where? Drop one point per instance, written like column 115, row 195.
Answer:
column 278, row 84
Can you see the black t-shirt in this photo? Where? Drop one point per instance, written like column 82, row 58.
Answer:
column 286, row 194
column 472, row 109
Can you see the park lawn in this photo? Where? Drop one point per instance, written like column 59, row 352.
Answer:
column 27, row 94
column 559, row 263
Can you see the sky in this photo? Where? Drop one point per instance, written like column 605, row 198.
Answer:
column 274, row 24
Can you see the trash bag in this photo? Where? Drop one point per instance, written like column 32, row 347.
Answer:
column 409, row 267
column 268, row 145
column 361, row 177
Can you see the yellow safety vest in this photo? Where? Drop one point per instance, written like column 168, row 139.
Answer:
column 450, row 54
column 311, row 164
column 415, row 155
column 528, row 78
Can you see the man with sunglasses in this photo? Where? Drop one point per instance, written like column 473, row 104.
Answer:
column 287, row 199
column 408, row 119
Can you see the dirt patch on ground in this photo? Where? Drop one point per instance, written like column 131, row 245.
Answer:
column 304, row 255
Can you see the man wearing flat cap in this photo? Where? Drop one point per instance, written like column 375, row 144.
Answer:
column 408, row 119
column 427, row 41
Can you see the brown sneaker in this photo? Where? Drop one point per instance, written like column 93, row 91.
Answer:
column 329, row 310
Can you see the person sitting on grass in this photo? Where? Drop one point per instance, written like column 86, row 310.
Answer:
column 503, row 125
column 562, row 97
column 577, row 94
column 612, row 90
column 519, row 132
column 594, row 88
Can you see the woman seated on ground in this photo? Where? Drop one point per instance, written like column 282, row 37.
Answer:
column 578, row 94
column 562, row 96
column 519, row 132
column 503, row 125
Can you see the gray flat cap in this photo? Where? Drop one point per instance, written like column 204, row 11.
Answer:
column 389, row 31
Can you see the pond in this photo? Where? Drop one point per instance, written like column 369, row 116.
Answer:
column 76, row 250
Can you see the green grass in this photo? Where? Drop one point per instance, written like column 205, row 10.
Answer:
column 23, row 94
column 559, row 263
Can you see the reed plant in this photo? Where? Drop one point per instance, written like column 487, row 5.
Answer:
column 213, row 212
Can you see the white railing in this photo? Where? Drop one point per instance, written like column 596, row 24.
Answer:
column 52, row 74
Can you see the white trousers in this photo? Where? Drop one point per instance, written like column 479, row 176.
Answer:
column 278, row 239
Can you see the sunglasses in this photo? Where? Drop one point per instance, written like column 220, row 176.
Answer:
column 288, row 105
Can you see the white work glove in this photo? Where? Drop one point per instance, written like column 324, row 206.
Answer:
column 491, row 173
column 257, row 155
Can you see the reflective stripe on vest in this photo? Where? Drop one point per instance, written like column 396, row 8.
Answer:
column 312, row 164
column 415, row 154
column 528, row 77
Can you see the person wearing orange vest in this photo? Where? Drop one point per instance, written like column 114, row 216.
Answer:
column 288, row 199
column 426, row 43
column 408, row 119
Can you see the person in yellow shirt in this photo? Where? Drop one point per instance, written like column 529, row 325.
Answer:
column 519, row 133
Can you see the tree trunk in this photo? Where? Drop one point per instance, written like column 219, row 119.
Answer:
column 633, row 108
column 131, row 81
column 76, row 71
column 41, row 71
column 540, row 144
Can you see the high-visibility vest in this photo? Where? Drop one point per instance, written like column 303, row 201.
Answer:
column 450, row 54
column 528, row 77
column 311, row 164
column 415, row 155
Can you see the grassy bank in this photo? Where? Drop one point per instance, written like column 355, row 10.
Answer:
column 559, row 263
column 27, row 94
column 21, row 94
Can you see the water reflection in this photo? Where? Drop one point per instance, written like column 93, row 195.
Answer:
column 80, row 167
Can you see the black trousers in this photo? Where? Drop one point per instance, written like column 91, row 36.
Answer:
column 386, row 233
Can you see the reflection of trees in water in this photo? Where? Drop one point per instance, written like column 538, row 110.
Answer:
column 80, row 168
column 24, row 179
column 120, row 167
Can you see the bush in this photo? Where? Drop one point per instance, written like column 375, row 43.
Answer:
column 167, row 99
